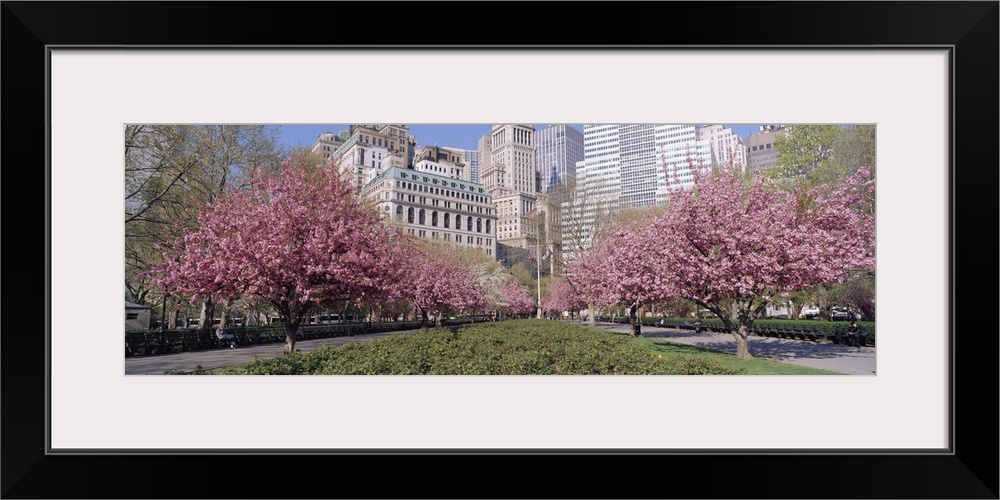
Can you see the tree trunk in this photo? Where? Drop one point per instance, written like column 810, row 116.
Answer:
column 795, row 310
column 437, row 319
column 633, row 318
column 590, row 315
column 172, row 323
column 423, row 317
column 224, row 314
column 742, row 349
column 824, row 313
column 203, row 315
column 290, row 332
column 207, row 314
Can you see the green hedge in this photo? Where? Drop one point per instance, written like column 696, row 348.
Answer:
column 517, row 347
column 763, row 327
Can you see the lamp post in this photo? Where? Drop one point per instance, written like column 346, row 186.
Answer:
column 538, row 269
column 538, row 264
column 163, row 321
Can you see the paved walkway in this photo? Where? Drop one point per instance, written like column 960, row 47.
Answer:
column 834, row 357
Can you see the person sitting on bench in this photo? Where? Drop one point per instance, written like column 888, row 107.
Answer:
column 226, row 336
column 855, row 335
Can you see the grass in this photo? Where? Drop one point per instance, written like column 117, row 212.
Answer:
column 521, row 347
column 756, row 366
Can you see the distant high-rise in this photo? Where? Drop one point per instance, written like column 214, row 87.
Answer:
column 509, row 177
column 471, row 159
column 629, row 166
column 557, row 150
column 759, row 147
column 727, row 147
column 483, row 156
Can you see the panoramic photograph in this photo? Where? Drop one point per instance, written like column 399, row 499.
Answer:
column 512, row 249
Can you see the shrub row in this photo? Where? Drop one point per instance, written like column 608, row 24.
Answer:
column 517, row 347
column 786, row 328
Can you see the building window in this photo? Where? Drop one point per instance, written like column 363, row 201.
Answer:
column 421, row 217
column 479, row 225
column 434, row 219
column 468, row 224
column 447, row 220
column 409, row 216
column 131, row 315
column 487, row 226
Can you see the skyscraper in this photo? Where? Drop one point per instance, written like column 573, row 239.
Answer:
column 472, row 160
column 557, row 150
column 509, row 176
column 483, row 151
column 629, row 166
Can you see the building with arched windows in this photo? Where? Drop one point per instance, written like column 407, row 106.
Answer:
column 436, row 207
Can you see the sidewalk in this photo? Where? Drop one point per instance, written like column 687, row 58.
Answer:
column 839, row 358
column 218, row 358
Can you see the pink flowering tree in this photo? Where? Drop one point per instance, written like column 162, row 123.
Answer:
column 630, row 273
column 585, row 273
column 741, row 240
column 295, row 240
column 473, row 296
column 560, row 296
column 517, row 298
column 439, row 284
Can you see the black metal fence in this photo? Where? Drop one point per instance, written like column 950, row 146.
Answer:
column 814, row 331
column 175, row 341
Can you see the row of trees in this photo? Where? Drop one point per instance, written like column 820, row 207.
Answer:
column 736, row 243
column 212, row 215
column 300, row 239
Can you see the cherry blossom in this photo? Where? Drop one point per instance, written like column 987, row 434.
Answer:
column 295, row 240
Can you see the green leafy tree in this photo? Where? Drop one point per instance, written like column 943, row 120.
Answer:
column 171, row 171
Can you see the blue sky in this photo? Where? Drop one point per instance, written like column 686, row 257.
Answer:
column 457, row 136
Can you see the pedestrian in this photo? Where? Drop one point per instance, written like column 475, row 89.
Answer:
column 855, row 335
column 222, row 335
column 697, row 326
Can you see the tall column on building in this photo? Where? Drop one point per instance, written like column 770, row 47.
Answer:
column 509, row 176
column 483, row 155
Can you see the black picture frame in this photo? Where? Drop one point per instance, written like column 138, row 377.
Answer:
column 970, row 471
